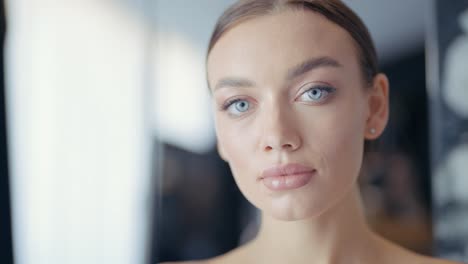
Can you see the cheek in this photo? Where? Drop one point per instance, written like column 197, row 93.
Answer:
column 235, row 140
column 344, row 149
column 341, row 141
column 238, row 144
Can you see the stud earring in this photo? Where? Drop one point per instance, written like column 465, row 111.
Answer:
column 372, row 131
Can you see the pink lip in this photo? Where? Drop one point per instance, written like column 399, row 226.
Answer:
column 287, row 177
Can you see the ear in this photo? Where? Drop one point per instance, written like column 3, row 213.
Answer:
column 378, row 103
column 221, row 152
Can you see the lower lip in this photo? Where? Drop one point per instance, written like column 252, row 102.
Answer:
column 288, row 182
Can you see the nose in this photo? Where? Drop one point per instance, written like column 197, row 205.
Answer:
column 279, row 132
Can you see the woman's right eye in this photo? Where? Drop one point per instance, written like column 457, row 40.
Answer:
column 237, row 107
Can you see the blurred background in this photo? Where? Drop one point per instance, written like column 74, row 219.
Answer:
column 106, row 135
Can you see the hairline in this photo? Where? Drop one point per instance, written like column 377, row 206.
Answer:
column 279, row 8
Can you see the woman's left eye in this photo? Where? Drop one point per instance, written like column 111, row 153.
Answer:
column 316, row 94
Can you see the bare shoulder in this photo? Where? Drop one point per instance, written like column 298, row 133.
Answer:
column 395, row 253
column 233, row 256
column 433, row 260
column 441, row 261
column 206, row 261
column 186, row 262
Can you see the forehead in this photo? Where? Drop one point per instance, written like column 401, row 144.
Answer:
column 267, row 46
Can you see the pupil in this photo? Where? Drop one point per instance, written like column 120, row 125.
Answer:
column 241, row 106
column 315, row 93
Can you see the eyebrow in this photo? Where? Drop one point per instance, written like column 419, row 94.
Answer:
column 234, row 82
column 294, row 72
column 310, row 65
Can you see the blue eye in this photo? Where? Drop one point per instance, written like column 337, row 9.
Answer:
column 237, row 107
column 241, row 106
column 316, row 94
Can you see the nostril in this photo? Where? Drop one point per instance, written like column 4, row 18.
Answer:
column 287, row 146
column 284, row 146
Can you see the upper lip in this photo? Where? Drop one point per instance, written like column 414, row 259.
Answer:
column 286, row 169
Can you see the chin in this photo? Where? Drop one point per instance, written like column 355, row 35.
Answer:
column 287, row 217
column 288, row 211
column 291, row 216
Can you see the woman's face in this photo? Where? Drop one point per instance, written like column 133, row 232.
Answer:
column 287, row 91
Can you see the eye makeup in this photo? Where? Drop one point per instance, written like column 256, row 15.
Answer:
column 315, row 93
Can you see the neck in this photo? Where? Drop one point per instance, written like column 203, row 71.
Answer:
column 339, row 235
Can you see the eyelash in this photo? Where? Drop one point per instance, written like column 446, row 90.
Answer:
column 329, row 90
column 225, row 106
column 230, row 102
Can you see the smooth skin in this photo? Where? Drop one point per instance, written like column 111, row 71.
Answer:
column 288, row 88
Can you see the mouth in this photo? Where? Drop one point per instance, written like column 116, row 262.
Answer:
column 287, row 177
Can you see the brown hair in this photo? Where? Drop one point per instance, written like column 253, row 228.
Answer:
column 333, row 10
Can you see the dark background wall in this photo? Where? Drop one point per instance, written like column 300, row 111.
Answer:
column 6, row 252
column 449, row 127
